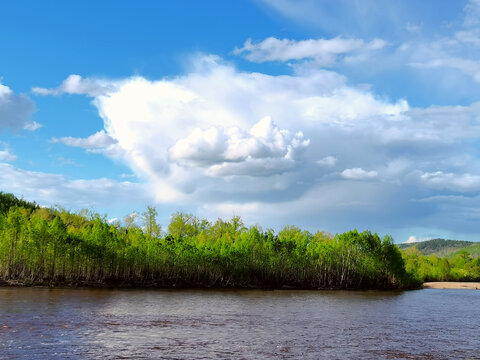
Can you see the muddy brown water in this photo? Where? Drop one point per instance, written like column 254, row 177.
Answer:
column 42, row 323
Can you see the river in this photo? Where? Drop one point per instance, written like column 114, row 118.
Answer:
column 42, row 323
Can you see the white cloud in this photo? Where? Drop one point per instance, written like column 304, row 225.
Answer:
column 347, row 106
column 411, row 239
column 327, row 161
column 75, row 84
column 431, row 47
column 32, row 126
column 189, row 135
column 6, row 154
column 264, row 149
column 467, row 66
column 472, row 13
column 414, row 28
column 359, row 174
column 16, row 110
column 323, row 51
column 366, row 17
column 51, row 189
column 470, row 36
column 414, row 239
column 185, row 134
column 456, row 182
column 98, row 140
column 458, row 51
column 197, row 142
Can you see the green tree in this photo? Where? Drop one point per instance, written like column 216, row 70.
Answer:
column 150, row 224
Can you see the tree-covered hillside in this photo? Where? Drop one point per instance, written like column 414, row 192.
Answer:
column 438, row 247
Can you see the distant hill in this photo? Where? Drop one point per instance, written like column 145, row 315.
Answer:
column 442, row 247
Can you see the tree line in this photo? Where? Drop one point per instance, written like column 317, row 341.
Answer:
column 461, row 267
column 55, row 246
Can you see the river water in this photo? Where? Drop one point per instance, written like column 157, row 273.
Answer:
column 42, row 323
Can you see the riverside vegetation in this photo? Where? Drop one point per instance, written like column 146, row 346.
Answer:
column 56, row 247
column 458, row 264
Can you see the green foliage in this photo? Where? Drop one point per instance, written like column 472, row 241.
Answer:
column 184, row 225
column 39, row 246
column 8, row 201
column 473, row 250
column 152, row 228
column 460, row 267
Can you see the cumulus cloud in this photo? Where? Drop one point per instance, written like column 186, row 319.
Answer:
column 323, row 51
column 98, row 140
column 264, row 149
column 75, row 84
column 16, row 110
column 219, row 139
column 310, row 143
column 185, row 134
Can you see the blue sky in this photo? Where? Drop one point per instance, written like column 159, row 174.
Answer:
column 325, row 115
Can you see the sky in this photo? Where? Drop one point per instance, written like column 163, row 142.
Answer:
column 327, row 115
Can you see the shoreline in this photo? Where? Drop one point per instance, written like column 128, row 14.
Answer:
column 180, row 286
column 451, row 285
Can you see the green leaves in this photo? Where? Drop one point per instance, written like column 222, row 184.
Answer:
column 462, row 267
column 55, row 246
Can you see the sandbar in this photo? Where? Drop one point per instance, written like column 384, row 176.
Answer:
column 451, row 285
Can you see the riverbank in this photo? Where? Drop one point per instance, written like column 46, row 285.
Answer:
column 451, row 285
column 53, row 247
column 119, row 284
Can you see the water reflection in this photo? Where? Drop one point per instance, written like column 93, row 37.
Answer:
column 100, row 323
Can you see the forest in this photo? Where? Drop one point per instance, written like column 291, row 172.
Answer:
column 460, row 265
column 51, row 246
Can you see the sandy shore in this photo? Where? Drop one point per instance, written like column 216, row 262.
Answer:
column 452, row 285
